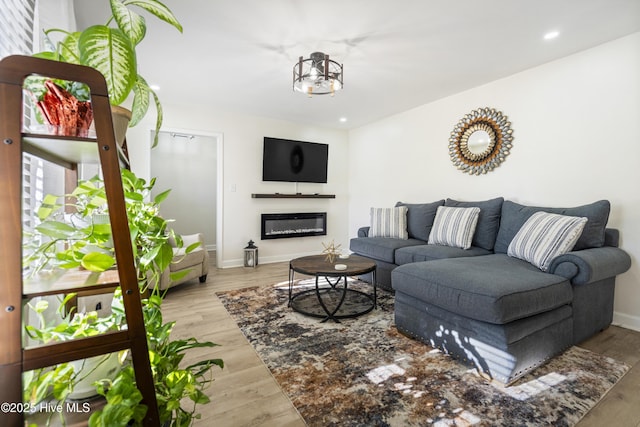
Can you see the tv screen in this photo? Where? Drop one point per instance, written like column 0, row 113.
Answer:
column 294, row 161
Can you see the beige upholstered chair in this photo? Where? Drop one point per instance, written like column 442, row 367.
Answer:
column 196, row 262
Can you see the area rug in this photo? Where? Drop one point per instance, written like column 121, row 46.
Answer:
column 362, row 372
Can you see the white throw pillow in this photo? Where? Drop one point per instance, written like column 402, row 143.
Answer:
column 545, row 236
column 454, row 226
column 389, row 222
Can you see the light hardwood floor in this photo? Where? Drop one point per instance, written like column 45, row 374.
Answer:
column 245, row 394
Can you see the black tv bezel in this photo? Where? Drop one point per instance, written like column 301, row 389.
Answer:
column 304, row 143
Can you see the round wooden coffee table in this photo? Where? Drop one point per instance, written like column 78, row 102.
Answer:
column 328, row 301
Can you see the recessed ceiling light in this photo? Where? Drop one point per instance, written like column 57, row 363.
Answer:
column 343, row 119
column 551, row 35
column 154, row 87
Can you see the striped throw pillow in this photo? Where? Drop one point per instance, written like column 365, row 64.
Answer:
column 454, row 226
column 545, row 236
column 389, row 222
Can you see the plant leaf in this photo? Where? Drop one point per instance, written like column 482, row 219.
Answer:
column 157, row 9
column 41, row 306
column 68, row 48
column 56, row 229
column 199, row 397
column 48, row 206
column 207, row 363
column 134, row 196
column 102, row 230
column 128, row 21
column 192, row 247
column 159, row 118
column 98, row 262
column 177, row 275
column 160, row 255
column 47, row 55
column 110, row 51
column 161, row 197
column 65, row 50
column 140, row 106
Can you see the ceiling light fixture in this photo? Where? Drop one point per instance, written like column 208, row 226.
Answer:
column 317, row 75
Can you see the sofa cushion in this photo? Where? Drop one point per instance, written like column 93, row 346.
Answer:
column 454, row 226
column 545, row 236
column 488, row 220
column 493, row 288
column 380, row 248
column 389, row 222
column 430, row 252
column 514, row 215
column 420, row 218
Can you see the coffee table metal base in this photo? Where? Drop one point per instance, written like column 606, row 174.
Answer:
column 332, row 302
column 328, row 302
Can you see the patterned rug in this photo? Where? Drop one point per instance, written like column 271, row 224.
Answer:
column 362, row 372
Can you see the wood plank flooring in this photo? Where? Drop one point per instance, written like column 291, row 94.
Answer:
column 245, row 394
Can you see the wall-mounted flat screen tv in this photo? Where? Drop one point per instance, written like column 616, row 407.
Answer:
column 294, row 161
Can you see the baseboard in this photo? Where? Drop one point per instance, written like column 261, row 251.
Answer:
column 626, row 321
column 232, row 263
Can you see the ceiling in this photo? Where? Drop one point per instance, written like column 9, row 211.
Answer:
column 238, row 55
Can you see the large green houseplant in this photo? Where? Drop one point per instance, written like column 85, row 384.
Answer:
column 111, row 49
column 83, row 240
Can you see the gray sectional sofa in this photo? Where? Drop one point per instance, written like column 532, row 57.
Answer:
column 499, row 313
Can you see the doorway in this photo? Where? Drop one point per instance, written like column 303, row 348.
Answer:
column 189, row 163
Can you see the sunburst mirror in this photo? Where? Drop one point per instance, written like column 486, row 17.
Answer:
column 480, row 141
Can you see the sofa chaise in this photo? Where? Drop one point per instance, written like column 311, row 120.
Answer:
column 493, row 304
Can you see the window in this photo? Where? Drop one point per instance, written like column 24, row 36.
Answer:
column 17, row 33
column 17, row 27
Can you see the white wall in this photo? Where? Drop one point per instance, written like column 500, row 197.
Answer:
column 576, row 140
column 242, row 175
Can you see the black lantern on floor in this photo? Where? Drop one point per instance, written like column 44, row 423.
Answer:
column 251, row 255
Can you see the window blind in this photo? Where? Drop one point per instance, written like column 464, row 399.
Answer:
column 17, row 27
column 17, row 33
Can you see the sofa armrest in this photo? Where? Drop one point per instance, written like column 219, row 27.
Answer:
column 363, row 231
column 190, row 239
column 612, row 237
column 591, row 265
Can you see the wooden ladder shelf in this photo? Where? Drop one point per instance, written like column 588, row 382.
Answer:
column 14, row 289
